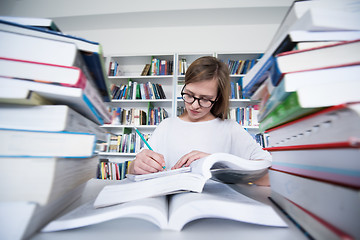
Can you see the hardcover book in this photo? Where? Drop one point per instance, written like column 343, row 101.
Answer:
column 290, row 82
column 23, row 96
column 310, row 99
column 333, row 203
column 90, row 51
column 333, row 124
column 321, row 162
column 317, row 227
column 54, row 74
column 342, row 53
column 47, row 179
column 73, row 97
column 26, row 143
column 54, row 118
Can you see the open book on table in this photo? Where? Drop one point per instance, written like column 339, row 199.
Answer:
column 225, row 167
column 172, row 212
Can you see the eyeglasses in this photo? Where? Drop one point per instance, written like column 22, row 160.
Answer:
column 190, row 99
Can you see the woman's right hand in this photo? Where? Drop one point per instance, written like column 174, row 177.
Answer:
column 147, row 161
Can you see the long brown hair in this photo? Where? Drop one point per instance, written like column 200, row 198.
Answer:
column 209, row 68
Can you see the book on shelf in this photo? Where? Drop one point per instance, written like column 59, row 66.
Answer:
column 52, row 118
column 29, row 143
column 217, row 200
column 192, row 181
column 90, row 51
column 133, row 116
column 183, row 65
column 245, row 116
column 333, row 124
column 73, row 97
column 46, row 178
column 54, row 74
column 114, row 69
column 160, row 67
column 292, row 81
column 23, row 96
column 321, row 161
column 309, row 99
column 135, row 90
column 126, row 142
column 262, row 139
column 237, row 67
column 146, row 70
column 112, row 170
column 44, row 23
column 336, row 204
column 315, row 226
column 156, row 115
column 236, row 90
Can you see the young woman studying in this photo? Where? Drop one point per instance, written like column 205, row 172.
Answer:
column 203, row 128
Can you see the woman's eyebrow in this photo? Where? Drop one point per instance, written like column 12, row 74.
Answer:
column 206, row 96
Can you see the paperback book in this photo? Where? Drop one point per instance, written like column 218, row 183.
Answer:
column 194, row 181
column 217, row 200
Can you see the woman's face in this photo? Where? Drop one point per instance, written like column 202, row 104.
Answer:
column 205, row 90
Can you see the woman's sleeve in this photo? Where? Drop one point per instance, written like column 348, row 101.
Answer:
column 156, row 140
column 245, row 146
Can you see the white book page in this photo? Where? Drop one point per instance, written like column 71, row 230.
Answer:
column 128, row 190
column 219, row 201
column 151, row 209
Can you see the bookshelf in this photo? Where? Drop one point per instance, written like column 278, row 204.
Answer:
column 132, row 66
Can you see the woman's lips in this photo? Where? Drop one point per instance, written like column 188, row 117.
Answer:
column 194, row 112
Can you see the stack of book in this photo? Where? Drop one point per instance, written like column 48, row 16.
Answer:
column 310, row 110
column 53, row 89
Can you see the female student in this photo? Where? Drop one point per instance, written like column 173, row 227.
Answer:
column 203, row 128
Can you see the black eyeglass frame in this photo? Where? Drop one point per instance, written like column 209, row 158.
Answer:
column 198, row 99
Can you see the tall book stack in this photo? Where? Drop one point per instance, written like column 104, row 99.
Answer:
column 53, row 88
column 307, row 82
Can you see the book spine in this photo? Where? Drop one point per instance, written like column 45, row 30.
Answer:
column 96, row 100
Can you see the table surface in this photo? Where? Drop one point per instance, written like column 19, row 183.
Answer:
column 132, row 228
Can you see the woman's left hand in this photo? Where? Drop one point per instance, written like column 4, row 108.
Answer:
column 187, row 159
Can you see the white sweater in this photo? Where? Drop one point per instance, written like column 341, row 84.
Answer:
column 174, row 138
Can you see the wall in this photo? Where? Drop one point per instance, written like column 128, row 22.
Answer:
column 238, row 38
column 138, row 27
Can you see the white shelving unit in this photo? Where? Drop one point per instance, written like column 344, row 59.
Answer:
column 131, row 67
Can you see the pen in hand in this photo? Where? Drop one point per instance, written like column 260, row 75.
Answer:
column 144, row 140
